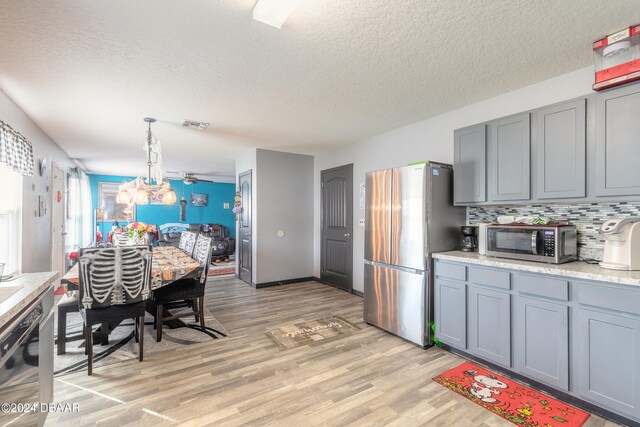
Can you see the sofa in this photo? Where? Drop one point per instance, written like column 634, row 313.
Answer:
column 223, row 245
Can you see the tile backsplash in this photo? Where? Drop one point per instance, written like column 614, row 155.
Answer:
column 587, row 217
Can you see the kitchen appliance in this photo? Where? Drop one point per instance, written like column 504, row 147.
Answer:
column 550, row 243
column 19, row 360
column 622, row 244
column 482, row 238
column 409, row 215
column 469, row 238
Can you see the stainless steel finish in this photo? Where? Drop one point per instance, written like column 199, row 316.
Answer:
column 409, row 214
column 394, row 300
column 564, row 243
column 378, row 216
column 407, row 217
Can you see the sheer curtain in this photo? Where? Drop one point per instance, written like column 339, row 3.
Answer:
column 11, row 221
column 88, row 231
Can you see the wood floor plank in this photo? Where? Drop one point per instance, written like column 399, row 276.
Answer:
column 369, row 378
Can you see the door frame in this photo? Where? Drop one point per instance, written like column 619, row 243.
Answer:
column 63, row 201
column 239, row 237
column 322, row 260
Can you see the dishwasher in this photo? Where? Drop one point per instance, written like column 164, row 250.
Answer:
column 19, row 367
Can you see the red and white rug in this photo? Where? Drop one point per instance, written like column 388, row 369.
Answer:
column 222, row 268
column 510, row 400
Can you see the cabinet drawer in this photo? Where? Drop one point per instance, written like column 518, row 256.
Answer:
column 495, row 278
column 627, row 300
column 451, row 271
column 542, row 286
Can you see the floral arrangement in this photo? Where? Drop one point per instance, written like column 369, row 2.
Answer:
column 138, row 230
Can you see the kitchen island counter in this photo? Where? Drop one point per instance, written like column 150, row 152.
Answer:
column 21, row 291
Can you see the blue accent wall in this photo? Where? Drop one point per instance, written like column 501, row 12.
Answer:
column 218, row 194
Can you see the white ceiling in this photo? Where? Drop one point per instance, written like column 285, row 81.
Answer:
column 339, row 71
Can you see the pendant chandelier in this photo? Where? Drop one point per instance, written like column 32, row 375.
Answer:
column 140, row 190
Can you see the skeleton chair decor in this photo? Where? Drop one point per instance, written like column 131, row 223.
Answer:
column 187, row 242
column 185, row 292
column 114, row 285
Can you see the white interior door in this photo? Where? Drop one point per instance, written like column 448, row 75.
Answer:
column 57, row 219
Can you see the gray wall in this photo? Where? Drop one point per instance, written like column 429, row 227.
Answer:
column 431, row 139
column 282, row 192
column 36, row 231
column 285, row 202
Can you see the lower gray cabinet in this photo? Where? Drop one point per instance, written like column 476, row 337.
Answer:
column 608, row 360
column 451, row 313
column 541, row 341
column 490, row 325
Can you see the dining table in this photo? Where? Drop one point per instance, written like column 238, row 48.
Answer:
column 168, row 264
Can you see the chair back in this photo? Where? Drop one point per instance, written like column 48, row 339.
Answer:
column 120, row 238
column 187, row 242
column 202, row 254
column 114, row 276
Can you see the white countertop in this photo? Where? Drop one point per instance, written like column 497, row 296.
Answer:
column 31, row 286
column 575, row 269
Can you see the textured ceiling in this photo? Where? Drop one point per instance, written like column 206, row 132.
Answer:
column 339, row 71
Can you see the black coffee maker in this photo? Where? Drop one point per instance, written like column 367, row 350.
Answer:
column 469, row 238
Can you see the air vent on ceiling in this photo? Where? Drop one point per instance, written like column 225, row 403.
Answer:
column 194, row 124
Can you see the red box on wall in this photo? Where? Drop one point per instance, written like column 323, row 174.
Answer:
column 617, row 58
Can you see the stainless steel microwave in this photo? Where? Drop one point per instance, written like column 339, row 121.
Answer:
column 553, row 244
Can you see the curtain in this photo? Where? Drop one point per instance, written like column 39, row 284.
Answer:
column 88, row 229
column 15, row 151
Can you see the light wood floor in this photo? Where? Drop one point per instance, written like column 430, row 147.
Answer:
column 369, row 378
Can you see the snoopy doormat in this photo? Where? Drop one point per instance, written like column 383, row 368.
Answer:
column 509, row 399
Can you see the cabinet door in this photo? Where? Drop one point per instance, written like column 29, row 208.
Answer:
column 489, row 325
column 617, row 136
column 541, row 341
column 469, row 164
column 450, row 306
column 510, row 150
column 608, row 361
column 561, row 151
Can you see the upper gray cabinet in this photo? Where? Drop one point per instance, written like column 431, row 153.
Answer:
column 510, row 156
column 618, row 142
column 469, row 164
column 561, row 151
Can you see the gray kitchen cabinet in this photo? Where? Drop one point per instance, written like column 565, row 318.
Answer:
column 510, row 158
column 541, row 341
column 489, row 325
column 561, row 151
column 450, row 312
column 617, row 153
column 469, row 164
column 608, row 360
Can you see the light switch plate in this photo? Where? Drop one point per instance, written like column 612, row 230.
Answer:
column 361, row 222
column 226, row 205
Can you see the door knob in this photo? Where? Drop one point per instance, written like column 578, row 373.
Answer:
column 347, row 235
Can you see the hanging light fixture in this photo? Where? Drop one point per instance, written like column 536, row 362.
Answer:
column 140, row 190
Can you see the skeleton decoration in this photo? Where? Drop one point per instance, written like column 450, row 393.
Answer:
column 114, row 276
column 120, row 239
column 187, row 241
column 202, row 254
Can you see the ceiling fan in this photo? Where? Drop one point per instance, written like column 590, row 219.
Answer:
column 190, row 178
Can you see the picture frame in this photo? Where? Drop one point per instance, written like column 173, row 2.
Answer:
column 107, row 193
column 199, row 199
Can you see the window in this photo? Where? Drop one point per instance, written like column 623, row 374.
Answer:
column 10, row 220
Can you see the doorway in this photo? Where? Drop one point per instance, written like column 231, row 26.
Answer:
column 58, row 219
column 245, row 225
column 336, row 259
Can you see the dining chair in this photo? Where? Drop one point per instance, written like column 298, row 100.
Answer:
column 185, row 292
column 120, row 238
column 115, row 284
column 187, row 242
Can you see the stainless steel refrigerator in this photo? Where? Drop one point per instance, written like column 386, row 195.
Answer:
column 409, row 215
